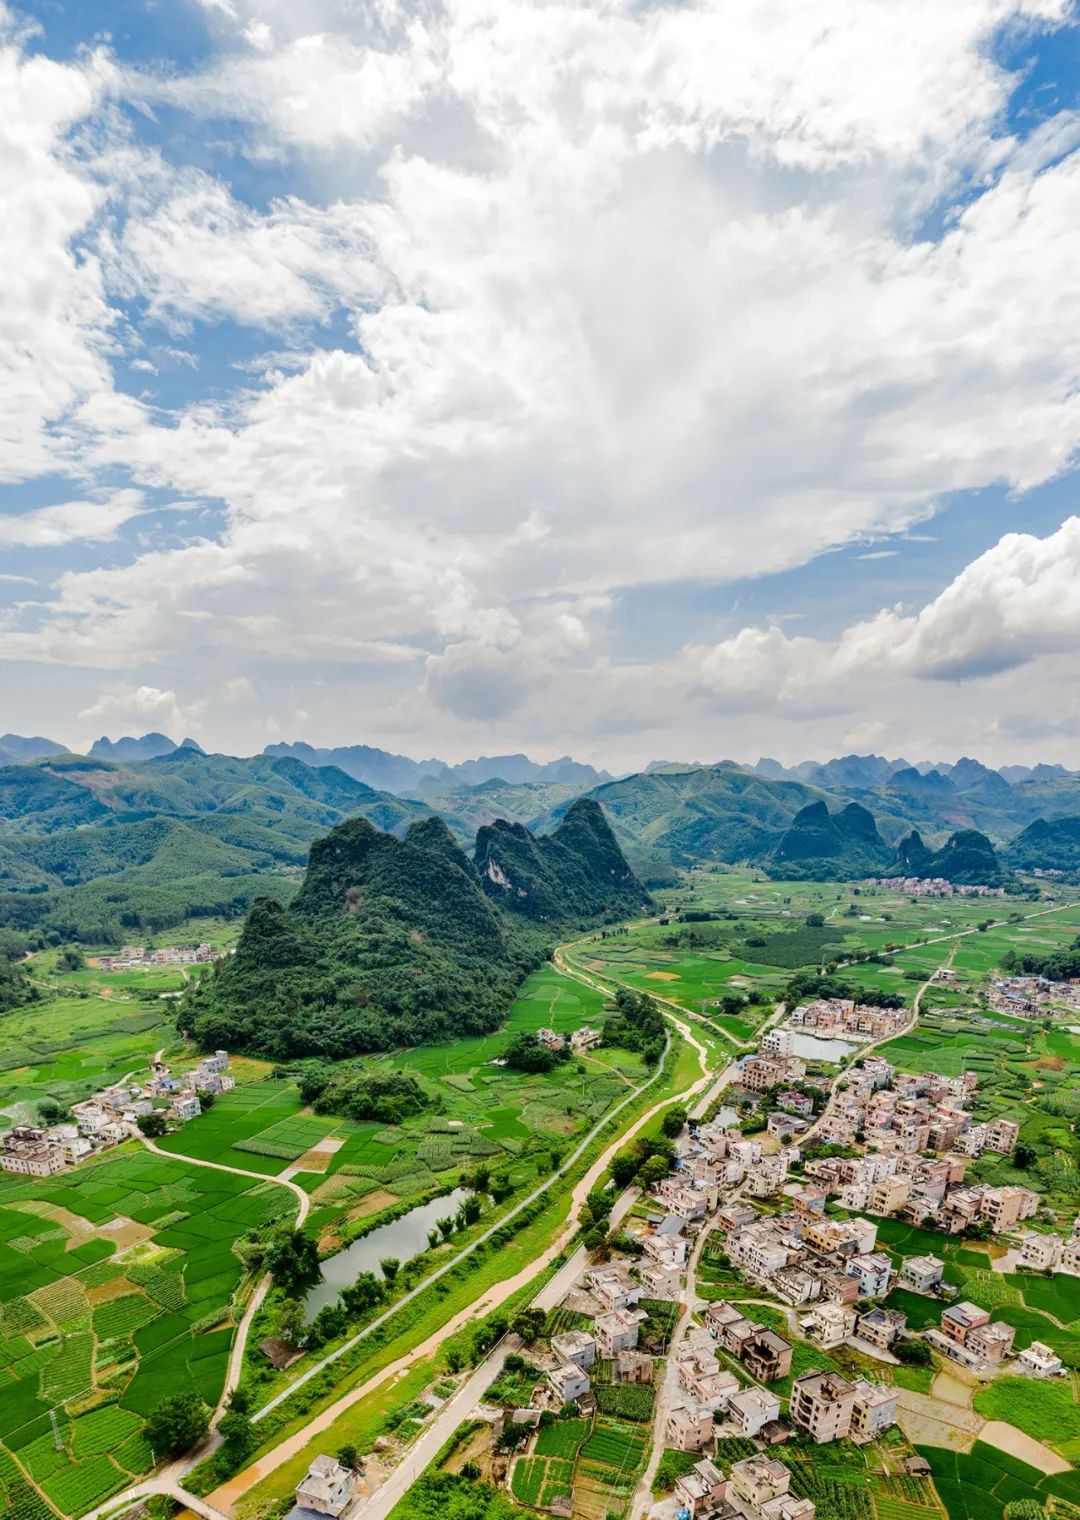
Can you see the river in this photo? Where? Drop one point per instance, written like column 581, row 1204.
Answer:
column 402, row 1238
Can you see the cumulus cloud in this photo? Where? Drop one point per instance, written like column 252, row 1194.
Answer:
column 619, row 296
column 70, row 522
column 1016, row 604
column 141, row 708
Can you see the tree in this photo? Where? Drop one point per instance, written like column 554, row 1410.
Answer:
column 389, row 1265
column 238, row 1434
column 51, row 1111
column 176, row 1424
column 624, row 1168
column 1025, row 1157
column 152, row 1125
column 594, row 1238
column 913, row 1353
column 815, row 921
column 206, row 1101
column 653, row 1170
column 362, row 1294
column 72, row 959
column 290, row 1321
column 674, row 1121
column 293, row 1262
column 528, row 1324
column 525, row 1053
column 348, row 1456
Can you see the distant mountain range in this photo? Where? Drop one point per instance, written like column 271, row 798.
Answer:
column 146, row 832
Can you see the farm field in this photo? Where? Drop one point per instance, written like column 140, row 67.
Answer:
column 732, row 933
column 116, row 1285
column 87, row 1030
column 977, row 1485
column 480, row 1112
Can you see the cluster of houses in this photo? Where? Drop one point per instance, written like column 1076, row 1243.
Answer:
column 138, row 958
column 1028, row 996
column 843, row 1019
column 932, row 886
column 110, row 1116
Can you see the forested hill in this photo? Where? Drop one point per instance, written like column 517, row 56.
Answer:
column 577, row 872
column 96, row 850
column 389, row 942
column 824, row 846
column 394, row 942
column 966, row 858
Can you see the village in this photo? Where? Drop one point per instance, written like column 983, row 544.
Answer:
column 800, row 1227
column 113, row 1115
column 139, row 958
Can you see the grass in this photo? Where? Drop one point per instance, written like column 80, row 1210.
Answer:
column 1046, row 1410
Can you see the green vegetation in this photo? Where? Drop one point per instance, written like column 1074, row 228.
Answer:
column 966, row 857
column 389, row 942
column 977, row 1485
column 448, row 1496
column 1046, row 1410
column 117, row 1283
column 386, row 1096
column 824, row 846
column 576, row 873
column 1052, row 845
column 91, row 850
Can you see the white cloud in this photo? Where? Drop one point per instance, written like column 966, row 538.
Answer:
column 634, row 295
column 54, row 319
column 70, row 522
column 1017, row 604
column 141, row 708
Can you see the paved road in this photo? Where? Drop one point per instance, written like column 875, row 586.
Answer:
column 460, row 1407
column 292, row 1445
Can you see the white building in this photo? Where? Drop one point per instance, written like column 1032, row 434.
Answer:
column 328, row 1488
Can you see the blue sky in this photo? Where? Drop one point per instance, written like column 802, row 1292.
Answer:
column 665, row 379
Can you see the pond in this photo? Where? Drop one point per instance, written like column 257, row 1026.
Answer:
column 402, row 1238
column 811, row 1047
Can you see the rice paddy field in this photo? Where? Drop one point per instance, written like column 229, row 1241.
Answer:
column 977, row 1485
column 117, row 1283
column 728, row 933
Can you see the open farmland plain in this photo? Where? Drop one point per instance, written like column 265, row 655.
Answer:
column 117, row 1287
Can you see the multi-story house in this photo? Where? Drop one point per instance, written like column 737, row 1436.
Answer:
column 615, row 1331
column 829, row 1324
column 1041, row 1253
column 689, row 1427
column 568, row 1383
column 575, row 1346
column 752, row 1409
column 29, row 1150
column 759, row 1480
column 821, row 1405
column 873, row 1411
column 874, row 1274
column 766, row 1355
column 702, row 1492
column 614, row 1288
column 880, row 1326
column 1001, row 1136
